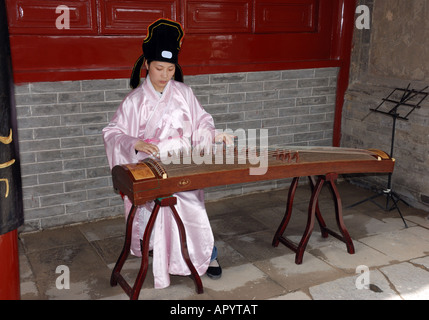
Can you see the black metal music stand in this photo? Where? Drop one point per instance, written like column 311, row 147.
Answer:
column 410, row 99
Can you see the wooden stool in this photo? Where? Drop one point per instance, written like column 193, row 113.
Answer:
column 133, row 292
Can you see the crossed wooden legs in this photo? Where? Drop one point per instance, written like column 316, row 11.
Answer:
column 133, row 292
column 313, row 213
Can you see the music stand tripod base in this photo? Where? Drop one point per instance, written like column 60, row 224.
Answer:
column 389, row 195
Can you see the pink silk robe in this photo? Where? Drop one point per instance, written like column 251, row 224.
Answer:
column 170, row 121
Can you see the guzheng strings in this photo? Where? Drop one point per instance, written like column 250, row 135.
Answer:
column 249, row 147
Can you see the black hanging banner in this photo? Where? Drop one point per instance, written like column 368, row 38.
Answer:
column 11, row 208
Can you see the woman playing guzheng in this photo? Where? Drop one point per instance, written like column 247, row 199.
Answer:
column 158, row 116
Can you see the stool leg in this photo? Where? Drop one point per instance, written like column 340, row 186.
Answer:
column 145, row 253
column 282, row 227
column 185, row 253
column 116, row 277
column 126, row 249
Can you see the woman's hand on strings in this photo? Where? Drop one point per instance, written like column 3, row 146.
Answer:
column 226, row 138
column 147, row 148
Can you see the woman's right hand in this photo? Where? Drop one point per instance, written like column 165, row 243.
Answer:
column 148, row 148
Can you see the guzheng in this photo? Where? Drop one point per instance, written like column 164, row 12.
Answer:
column 151, row 178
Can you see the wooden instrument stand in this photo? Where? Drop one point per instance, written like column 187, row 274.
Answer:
column 313, row 213
column 133, row 292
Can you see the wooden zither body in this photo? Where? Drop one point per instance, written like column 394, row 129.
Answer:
column 151, row 179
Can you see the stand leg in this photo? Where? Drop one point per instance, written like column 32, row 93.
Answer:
column 310, row 221
column 145, row 253
column 389, row 195
column 364, row 200
column 339, row 215
column 313, row 214
column 126, row 249
column 395, row 205
column 319, row 217
column 282, row 227
column 185, row 254
column 395, row 195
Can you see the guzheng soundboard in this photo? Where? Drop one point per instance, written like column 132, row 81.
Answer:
column 151, row 178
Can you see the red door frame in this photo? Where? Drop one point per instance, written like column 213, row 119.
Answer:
column 342, row 53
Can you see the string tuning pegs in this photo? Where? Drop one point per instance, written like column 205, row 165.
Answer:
column 286, row 155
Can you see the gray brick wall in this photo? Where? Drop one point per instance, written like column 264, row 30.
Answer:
column 364, row 129
column 66, row 178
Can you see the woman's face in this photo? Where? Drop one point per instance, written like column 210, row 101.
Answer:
column 160, row 73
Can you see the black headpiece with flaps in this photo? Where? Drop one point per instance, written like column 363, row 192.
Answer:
column 162, row 43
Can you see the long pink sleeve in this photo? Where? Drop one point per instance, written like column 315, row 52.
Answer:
column 121, row 135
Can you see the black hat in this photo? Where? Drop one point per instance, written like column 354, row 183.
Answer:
column 162, row 43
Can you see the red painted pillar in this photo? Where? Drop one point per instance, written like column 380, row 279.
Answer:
column 9, row 266
column 343, row 38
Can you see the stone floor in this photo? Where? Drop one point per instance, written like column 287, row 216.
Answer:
column 391, row 261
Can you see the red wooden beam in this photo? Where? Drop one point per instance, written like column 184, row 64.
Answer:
column 105, row 37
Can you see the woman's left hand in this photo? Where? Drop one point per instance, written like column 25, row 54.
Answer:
column 227, row 138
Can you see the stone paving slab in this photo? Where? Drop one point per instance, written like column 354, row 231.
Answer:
column 337, row 256
column 411, row 282
column 242, row 282
column 292, row 277
column 401, row 245
column 421, row 220
column 346, row 289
